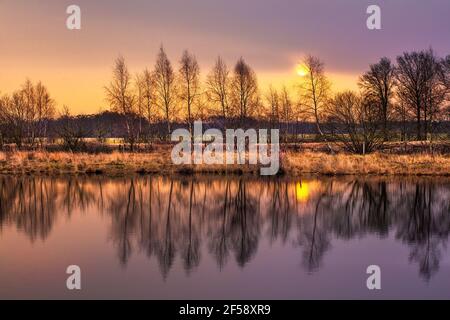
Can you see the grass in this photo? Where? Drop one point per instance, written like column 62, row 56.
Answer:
column 372, row 164
column 292, row 163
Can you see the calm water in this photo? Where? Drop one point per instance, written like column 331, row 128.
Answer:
column 187, row 238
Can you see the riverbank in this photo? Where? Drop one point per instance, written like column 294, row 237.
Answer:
column 292, row 163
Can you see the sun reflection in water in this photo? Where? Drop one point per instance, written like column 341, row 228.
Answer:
column 302, row 191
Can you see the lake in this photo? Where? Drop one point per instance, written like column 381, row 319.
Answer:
column 159, row 237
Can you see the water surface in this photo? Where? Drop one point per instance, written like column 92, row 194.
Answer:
column 197, row 237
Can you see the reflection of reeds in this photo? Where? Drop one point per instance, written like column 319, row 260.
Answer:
column 293, row 163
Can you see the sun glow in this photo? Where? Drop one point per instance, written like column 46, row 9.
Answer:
column 301, row 70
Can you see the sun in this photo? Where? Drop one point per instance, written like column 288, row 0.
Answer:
column 301, row 70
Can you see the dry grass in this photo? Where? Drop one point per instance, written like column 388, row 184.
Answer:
column 292, row 163
column 115, row 163
column 373, row 164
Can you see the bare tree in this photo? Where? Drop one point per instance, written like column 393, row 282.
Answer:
column 446, row 69
column 140, row 102
column 165, row 87
column 3, row 119
column 378, row 84
column 29, row 104
column 401, row 113
column 355, row 122
column 148, row 96
column 420, row 87
column 314, row 90
column 244, row 89
column 71, row 131
column 273, row 101
column 189, row 84
column 122, row 99
column 218, row 87
column 25, row 114
column 436, row 91
column 45, row 111
column 14, row 115
column 286, row 112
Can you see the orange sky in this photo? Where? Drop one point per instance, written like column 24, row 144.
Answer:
column 82, row 89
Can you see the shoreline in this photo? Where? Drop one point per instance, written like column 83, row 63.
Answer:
column 158, row 163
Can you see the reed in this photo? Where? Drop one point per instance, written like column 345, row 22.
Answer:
column 292, row 163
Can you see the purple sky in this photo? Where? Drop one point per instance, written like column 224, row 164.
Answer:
column 272, row 35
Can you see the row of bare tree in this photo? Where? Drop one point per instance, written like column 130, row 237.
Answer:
column 24, row 114
column 169, row 95
column 391, row 96
column 415, row 89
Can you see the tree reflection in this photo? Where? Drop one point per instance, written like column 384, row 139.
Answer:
column 191, row 235
column 168, row 217
column 313, row 235
column 425, row 226
column 29, row 203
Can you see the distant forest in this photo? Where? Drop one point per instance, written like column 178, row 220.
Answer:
column 405, row 100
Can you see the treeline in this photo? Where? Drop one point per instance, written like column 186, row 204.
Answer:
column 148, row 105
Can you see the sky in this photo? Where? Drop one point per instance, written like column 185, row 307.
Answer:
column 271, row 35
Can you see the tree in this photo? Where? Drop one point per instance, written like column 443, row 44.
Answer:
column 29, row 105
column 148, row 96
column 189, row 83
column 377, row 84
column 165, row 89
column 244, row 89
column 287, row 111
column 45, row 110
column 122, row 99
column 420, row 87
column 140, row 103
column 410, row 85
column 71, row 131
column 3, row 120
column 446, row 69
column 273, row 101
column 436, row 91
column 218, row 87
column 14, row 118
column 401, row 113
column 25, row 114
column 355, row 122
column 145, row 102
column 314, row 91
